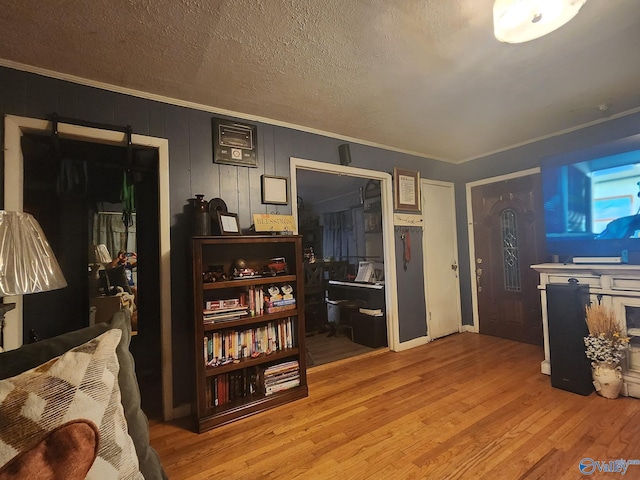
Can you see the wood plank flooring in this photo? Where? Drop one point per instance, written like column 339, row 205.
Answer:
column 322, row 349
column 465, row 406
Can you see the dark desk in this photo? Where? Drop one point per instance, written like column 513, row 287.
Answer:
column 368, row 294
column 367, row 329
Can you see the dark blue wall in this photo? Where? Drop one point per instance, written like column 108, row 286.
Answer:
column 518, row 159
column 191, row 172
column 410, row 284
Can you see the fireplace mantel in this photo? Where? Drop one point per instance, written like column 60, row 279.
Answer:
column 614, row 285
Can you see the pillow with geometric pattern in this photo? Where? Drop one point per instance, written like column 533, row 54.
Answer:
column 81, row 384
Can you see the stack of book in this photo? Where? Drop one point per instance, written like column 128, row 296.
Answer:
column 280, row 377
column 224, row 314
column 279, row 298
column 223, row 310
column 280, row 305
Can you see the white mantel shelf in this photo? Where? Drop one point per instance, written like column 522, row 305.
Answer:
column 589, row 268
column 614, row 285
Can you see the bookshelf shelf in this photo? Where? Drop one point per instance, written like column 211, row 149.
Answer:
column 250, row 362
column 262, row 280
column 255, row 360
column 210, row 327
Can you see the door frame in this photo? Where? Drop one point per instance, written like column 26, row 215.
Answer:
column 475, row 327
column 451, row 186
column 14, row 128
column 390, row 281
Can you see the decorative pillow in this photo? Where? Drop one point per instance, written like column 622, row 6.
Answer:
column 66, row 453
column 81, row 384
column 31, row 355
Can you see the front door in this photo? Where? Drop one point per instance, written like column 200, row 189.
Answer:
column 508, row 239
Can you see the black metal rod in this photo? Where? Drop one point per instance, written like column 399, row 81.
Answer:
column 85, row 123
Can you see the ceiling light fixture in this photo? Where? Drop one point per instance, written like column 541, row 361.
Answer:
column 517, row 21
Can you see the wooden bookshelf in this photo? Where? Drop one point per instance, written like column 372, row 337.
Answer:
column 233, row 355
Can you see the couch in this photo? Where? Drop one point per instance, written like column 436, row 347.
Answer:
column 70, row 408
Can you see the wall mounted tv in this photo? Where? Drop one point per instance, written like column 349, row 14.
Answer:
column 592, row 202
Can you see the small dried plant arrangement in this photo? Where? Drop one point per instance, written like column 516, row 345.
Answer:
column 605, row 342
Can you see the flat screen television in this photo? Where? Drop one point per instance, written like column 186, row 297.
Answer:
column 592, row 203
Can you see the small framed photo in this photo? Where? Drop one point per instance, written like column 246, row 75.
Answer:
column 227, row 224
column 275, row 190
column 406, row 186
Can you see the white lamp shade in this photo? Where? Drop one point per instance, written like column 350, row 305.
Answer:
column 517, row 21
column 99, row 254
column 27, row 263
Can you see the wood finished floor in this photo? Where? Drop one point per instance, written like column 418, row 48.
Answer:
column 465, row 406
column 323, row 349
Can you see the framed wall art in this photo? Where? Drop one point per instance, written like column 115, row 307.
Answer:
column 275, row 190
column 227, row 224
column 406, row 190
column 234, row 143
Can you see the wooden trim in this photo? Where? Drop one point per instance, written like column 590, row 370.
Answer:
column 386, row 183
column 15, row 126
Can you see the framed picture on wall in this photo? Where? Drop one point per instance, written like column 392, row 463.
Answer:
column 406, row 190
column 275, row 190
column 234, row 143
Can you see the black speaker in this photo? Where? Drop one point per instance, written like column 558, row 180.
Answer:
column 570, row 367
column 345, row 154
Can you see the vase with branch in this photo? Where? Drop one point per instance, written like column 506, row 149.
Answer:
column 605, row 347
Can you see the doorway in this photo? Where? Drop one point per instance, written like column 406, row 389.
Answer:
column 507, row 239
column 75, row 189
column 384, row 228
column 441, row 259
column 15, row 129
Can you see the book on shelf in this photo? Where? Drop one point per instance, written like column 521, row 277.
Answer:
column 223, row 317
column 374, row 312
column 220, row 305
column 222, row 311
column 280, row 305
column 229, row 387
column 281, row 387
column 282, row 367
column 280, row 377
column 224, row 346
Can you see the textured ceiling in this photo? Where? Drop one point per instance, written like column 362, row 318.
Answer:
column 421, row 76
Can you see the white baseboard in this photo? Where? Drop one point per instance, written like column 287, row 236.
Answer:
column 545, row 367
column 416, row 342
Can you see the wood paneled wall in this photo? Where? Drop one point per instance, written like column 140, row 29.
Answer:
column 191, row 171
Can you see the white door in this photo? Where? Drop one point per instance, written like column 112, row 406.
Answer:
column 442, row 286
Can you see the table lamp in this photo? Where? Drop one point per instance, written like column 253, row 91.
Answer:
column 98, row 257
column 27, row 263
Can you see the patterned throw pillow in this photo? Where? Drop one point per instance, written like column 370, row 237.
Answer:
column 81, row 384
